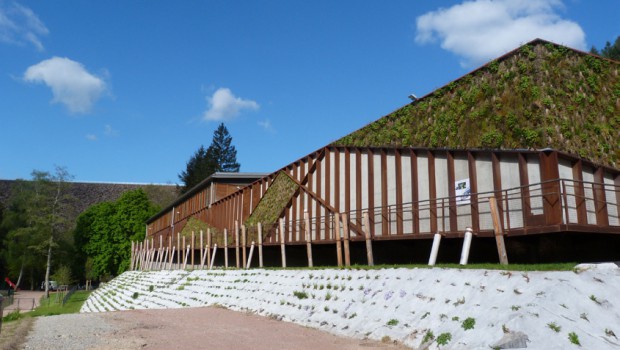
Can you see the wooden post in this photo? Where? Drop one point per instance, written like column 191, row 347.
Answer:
column 250, row 257
column 193, row 245
column 137, row 257
column 243, row 245
column 259, row 228
column 345, row 237
column 202, row 249
column 337, row 234
column 213, row 256
column 371, row 260
column 179, row 249
column 163, row 263
column 308, row 238
column 208, row 245
column 203, row 258
column 174, row 248
column 225, row 248
column 183, row 253
column 132, row 256
column 282, row 246
column 170, row 239
column 186, row 255
column 237, row 257
column 499, row 233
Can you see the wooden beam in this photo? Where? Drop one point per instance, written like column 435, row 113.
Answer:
column 499, row 233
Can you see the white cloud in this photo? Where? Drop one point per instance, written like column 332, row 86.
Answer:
column 91, row 137
column 71, row 84
column 20, row 25
column 109, row 131
column 223, row 105
column 266, row 124
column 480, row 30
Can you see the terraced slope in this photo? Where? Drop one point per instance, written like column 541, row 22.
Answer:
column 473, row 309
column 539, row 95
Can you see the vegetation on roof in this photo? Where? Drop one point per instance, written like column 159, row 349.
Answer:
column 271, row 205
column 542, row 95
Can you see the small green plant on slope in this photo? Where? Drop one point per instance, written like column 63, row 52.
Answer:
column 392, row 322
column 444, row 338
column 135, row 295
column 574, row 338
column 468, row 323
column 429, row 336
column 554, row 327
column 300, row 295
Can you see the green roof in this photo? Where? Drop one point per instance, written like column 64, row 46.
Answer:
column 541, row 95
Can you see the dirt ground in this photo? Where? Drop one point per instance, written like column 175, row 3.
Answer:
column 217, row 328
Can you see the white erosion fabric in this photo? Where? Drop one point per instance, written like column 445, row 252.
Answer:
column 402, row 304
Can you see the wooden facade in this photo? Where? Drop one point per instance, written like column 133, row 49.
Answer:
column 410, row 193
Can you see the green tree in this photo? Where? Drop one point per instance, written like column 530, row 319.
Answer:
column 223, row 152
column 104, row 232
column 37, row 223
column 609, row 51
column 221, row 156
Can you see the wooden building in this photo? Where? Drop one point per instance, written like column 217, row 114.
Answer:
column 544, row 178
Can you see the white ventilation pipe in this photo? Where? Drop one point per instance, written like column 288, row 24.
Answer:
column 466, row 245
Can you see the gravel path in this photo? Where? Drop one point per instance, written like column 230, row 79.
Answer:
column 188, row 328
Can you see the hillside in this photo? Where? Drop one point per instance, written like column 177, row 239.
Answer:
column 537, row 96
column 87, row 194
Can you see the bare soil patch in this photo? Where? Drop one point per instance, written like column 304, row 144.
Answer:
column 218, row 328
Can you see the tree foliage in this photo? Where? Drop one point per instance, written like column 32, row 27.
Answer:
column 609, row 51
column 36, row 224
column 221, row 156
column 104, row 232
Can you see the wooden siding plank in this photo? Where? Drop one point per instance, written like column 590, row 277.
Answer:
column 385, row 220
column 399, row 191
column 415, row 207
column 473, row 185
column 371, row 191
column 432, row 190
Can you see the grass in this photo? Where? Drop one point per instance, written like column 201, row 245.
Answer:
column 15, row 326
column 52, row 306
column 482, row 266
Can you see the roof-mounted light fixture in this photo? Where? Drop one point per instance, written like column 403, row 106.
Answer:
column 413, row 97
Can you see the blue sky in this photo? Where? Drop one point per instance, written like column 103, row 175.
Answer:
column 127, row 91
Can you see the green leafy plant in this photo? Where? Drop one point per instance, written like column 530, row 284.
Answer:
column 429, row 336
column 135, row 295
column 392, row 322
column 574, row 338
column 444, row 338
column 553, row 326
column 468, row 323
column 300, row 295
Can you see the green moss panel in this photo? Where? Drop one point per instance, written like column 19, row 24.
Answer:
column 541, row 95
column 271, row 205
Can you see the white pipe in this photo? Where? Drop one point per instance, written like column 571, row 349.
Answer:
column 434, row 250
column 466, row 246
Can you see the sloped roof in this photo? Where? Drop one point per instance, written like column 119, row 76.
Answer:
column 541, row 95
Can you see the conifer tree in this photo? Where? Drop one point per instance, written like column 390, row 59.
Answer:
column 221, row 156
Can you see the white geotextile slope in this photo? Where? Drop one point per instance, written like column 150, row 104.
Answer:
column 402, row 304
